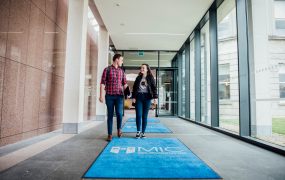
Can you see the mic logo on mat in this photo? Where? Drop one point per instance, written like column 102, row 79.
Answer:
column 153, row 150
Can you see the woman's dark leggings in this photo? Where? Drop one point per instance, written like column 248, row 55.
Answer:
column 143, row 102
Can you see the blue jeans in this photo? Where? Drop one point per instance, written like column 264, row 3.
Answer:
column 143, row 102
column 117, row 101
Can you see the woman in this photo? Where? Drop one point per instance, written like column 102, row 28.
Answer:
column 143, row 91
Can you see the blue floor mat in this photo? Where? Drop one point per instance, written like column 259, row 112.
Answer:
column 133, row 119
column 150, row 128
column 149, row 158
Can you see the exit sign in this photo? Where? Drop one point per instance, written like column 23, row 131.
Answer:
column 140, row 53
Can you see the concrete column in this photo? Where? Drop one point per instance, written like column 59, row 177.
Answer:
column 73, row 102
column 259, row 60
column 103, row 49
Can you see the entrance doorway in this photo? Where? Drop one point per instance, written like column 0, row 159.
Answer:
column 167, row 92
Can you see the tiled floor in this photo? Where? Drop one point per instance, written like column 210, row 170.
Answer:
column 70, row 159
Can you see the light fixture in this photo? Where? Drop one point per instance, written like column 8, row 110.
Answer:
column 157, row 34
column 155, row 54
column 150, row 60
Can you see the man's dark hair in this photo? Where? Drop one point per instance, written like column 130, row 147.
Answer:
column 117, row 56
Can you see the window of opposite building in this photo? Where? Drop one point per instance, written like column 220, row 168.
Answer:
column 282, row 80
column 224, row 81
column 279, row 7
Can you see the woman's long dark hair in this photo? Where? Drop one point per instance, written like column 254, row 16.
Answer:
column 149, row 73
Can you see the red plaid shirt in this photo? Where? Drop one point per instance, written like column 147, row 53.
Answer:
column 116, row 78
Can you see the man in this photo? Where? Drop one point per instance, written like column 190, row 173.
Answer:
column 113, row 78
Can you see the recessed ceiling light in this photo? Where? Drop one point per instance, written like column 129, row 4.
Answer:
column 157, row 34
column 155, row 54
column 150, row 60
column 122, row 24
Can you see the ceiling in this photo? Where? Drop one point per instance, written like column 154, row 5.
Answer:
column 167, row 22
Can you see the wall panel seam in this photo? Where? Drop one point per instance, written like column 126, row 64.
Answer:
column 34, row 67
column 48, row 16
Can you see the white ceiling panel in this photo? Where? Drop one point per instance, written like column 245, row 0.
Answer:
column 167, row 22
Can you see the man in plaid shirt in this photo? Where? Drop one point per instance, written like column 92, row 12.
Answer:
column 114, row 78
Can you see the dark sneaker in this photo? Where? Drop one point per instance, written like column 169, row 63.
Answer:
column 138, row 135
column 143, row 135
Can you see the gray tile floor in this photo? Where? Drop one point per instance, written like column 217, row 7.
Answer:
column 229, row 157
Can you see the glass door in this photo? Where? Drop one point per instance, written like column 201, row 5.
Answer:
column 167, row 92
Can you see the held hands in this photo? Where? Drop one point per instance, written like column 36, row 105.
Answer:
column 155, row 101
column 134, row 100
column 125, row 87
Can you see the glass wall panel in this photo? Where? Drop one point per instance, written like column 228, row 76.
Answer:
column 183, row 83
column 228, row 67
column 205, row 75
column 137, row 58
column 168, row 59
column 267, row 69
column 192, row 80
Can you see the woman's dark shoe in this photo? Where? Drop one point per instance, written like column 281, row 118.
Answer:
column 138, row 135
column 109, row 137
column 120, row 133
column 143, row 136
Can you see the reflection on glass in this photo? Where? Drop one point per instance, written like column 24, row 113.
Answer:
column 192, row 79
column 205, row 75
column 167, row 93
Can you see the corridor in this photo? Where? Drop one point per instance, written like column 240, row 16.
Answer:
column 71, row 158
column 212, row 70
